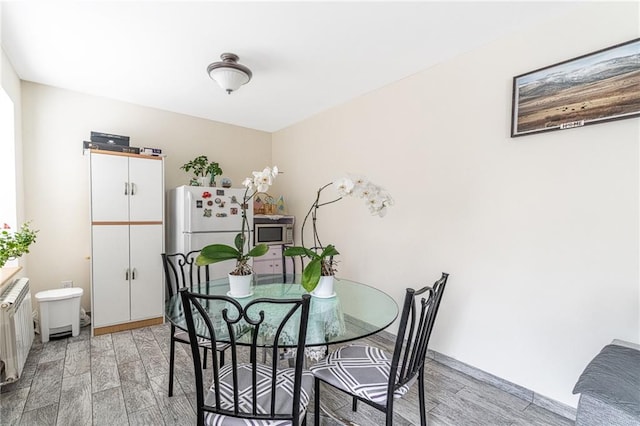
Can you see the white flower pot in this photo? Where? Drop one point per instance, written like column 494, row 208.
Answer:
column 240, row 285
column 324, row 289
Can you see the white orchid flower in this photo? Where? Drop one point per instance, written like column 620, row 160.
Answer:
column 261, row 181
column 248, row 183
column 344, row 186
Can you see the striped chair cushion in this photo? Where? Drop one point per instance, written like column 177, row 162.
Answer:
column 205, row 343
column 284, row 394
column 360, row 370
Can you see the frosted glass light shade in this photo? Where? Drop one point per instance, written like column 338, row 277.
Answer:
column 229, row 74
column 230, row 79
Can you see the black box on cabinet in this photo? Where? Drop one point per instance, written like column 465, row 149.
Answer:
column 109, row 139
column 110, row 147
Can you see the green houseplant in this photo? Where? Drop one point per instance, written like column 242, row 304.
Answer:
column 201, row 167
column 322, row 263
column 214, row 253
column 15, row 244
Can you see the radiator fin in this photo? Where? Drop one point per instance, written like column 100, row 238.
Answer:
column 16, row 329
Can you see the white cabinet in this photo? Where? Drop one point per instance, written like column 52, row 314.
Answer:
column 127, row 239
column 127, row 273
column 126, row 188
column 271, row 263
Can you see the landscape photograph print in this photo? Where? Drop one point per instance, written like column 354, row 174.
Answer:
column 594, row 88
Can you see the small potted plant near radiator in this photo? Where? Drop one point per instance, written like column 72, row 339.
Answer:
column 15, row 244
column 201, row 168
column 241, row 277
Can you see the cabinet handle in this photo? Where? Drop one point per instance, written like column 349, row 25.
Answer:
column 133, row 188
column 133, row 274
column 126, row 188
column 126, row 275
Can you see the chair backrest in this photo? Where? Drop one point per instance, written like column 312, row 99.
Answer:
column 245, row 387
column 416, row 324
column 180, row 271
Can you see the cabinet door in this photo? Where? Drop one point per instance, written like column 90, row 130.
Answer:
column 147, row 291
column 147, row 189
column 263, row 266
column 270, row 263
column 109, row 188
column 110, row 272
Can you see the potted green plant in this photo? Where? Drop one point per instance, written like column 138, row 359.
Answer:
column 15, row 244
column 242, row 274
column 319, row 272
column 201, row 167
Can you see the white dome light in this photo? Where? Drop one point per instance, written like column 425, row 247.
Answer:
column 229, row 74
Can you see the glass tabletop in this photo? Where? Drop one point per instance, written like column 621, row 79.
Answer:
column 357, row 310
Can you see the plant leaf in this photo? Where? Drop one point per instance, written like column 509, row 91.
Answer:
column 216, row 253
column 329, row 250
column 259, row 250
column 239, row 241
column 295, row 251
column 301, row 251
column 311, row 274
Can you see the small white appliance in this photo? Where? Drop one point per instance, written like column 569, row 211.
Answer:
column 198, row 216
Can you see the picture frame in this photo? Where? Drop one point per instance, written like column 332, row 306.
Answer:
column 594, row 88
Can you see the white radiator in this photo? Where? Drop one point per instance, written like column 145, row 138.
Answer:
column 16, row 329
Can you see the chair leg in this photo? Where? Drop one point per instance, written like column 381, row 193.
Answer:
column 316, row 402
column 172, row 357
column 354, row 404
column 204, row 358
column 389, row 413
column 221, row 358
column 421, row 398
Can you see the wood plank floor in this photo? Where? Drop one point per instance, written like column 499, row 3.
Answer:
column 121, row 379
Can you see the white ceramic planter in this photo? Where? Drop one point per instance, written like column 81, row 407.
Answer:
column 240, row 285
column 324, row 289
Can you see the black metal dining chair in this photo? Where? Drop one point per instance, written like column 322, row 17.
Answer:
column 181, row 271
column 246, row 390
column 371, row 375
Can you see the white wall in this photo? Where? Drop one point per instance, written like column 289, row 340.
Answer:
column 11, row 84
column 56, row 190
column 539, row 233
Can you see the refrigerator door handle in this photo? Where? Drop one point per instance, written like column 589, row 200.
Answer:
column 126, row 188
column 187, row 211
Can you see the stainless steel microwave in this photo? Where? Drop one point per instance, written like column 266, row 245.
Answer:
column 272, row 233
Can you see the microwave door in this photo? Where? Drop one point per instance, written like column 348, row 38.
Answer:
column 269, row 234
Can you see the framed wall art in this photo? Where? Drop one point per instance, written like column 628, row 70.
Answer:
column 593, row 88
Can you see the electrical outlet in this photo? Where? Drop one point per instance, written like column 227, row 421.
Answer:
column 67, row 284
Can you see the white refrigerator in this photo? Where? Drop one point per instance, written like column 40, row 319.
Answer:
column 199, row 215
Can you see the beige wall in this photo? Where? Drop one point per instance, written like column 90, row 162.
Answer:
column 539, row 233
column 56, row 172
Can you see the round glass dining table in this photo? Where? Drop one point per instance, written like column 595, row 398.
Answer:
column 355, row 311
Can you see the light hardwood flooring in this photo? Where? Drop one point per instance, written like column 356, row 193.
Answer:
column 121, row 379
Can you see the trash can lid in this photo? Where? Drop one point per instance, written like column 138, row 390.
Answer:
column 58, row 294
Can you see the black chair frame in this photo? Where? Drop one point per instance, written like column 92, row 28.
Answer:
column 410, row 350
column 194, row 306
column 180, row 271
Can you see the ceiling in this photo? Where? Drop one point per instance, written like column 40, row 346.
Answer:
column 306, row 57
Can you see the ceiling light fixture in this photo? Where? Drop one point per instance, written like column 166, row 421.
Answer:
column 229, row 74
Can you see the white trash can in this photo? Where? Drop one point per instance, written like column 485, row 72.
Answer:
column 59, row 311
